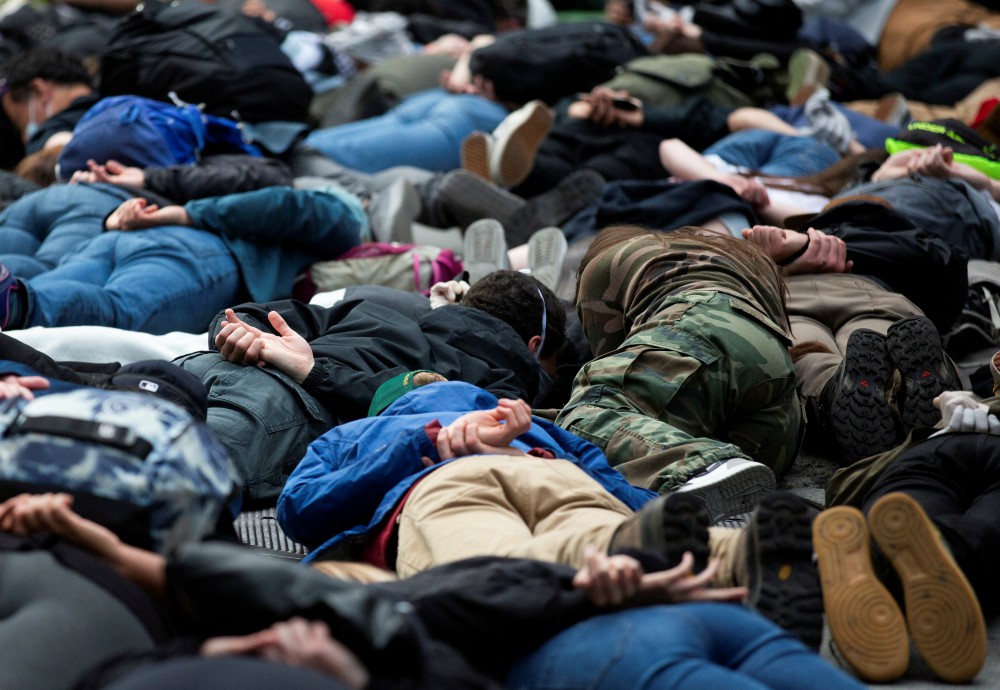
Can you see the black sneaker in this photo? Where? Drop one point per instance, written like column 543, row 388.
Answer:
column 668, row 526
column 915, row 348
column 782, row 578
column 860, row 417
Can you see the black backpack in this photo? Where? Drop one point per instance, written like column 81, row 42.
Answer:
column 555, row 61
column 231, row 63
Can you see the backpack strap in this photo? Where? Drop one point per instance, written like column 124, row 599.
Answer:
column 119, row 437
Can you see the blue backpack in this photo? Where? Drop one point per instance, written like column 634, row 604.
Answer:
column 142, row 132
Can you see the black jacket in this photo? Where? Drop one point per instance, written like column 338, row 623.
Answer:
column 217, row 176
column 364, row 341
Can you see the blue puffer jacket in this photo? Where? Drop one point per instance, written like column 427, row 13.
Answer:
column 352, row 477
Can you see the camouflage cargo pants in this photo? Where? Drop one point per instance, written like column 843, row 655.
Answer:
column 708, row 382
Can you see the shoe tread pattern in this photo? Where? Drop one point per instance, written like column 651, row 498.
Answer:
column 942, row 612
column 861, row 418
column 865, row 622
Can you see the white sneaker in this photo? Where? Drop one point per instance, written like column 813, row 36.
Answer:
column 484, row 249
column 515, row 143
column 546, row 254
column 731, row 487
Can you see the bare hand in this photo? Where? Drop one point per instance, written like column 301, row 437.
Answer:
column 288, row 352
column 777, row 243
column 682, row 584
column 111, row 172
column 602, row 109
column 484, row 432
column 608, row 580
column 139, row 214
column 12, row 386
column 29, row 514
column 825, row 254
column 296, row 642
column 750, row 189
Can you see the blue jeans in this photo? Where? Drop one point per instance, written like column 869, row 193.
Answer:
column 425, row 130
column 160, row 280
column 771, row 153
column 39, row 229
column 679, row 647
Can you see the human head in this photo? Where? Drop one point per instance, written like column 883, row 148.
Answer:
column 525, row 304
column 39, row 83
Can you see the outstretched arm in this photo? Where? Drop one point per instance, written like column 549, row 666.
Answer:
column 29, row 514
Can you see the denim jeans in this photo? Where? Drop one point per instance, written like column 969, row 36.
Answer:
column 771, row 153
column 165, row 279
column 679, row 647
column 39, row 229
column 425, row 130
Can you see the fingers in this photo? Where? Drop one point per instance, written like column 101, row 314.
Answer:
column 34, row 382
column 279, row 324
column 239, row 345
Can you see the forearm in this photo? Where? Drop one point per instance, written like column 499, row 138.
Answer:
column 144, row 568
column 684, row 162
column 217, row 176
column 758, row 118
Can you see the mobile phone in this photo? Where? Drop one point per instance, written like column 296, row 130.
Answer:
column 624, row 104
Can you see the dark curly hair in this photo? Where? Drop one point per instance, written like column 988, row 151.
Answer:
column 42, row 63
column 513, row 297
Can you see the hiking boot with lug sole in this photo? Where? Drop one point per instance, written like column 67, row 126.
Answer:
column 860, row 416
column 915, row 348
column 782, row 578
column 670, row 526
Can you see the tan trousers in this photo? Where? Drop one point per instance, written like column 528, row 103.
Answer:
column 912, row 24
column 499, row 505
column 964, row 110
column 827, row 308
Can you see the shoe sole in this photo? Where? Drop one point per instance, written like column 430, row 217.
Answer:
column 942, row 611
column 546, row 254
column 784, row 583
column 484, row 249
column 865, row 622
column 683, row 528
column 915, row 347
column 475, row 155
column 861, row 418
column 737, row 493
column 516, row 154
column 807, row 72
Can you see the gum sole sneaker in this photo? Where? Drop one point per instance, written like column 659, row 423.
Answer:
column 915, row 347
column 860, row 416
column 783, row 580
column 670, row 526
column 731, row 487
column 943, row 614
column 865, row 623
column 475, row 154
column 516, row 141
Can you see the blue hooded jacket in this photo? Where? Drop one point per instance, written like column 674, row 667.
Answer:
column 354, row 475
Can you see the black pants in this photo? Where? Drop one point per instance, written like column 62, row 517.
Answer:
column 956, row 480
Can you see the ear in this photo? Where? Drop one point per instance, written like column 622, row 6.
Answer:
column 42, row 88
column 534, row 345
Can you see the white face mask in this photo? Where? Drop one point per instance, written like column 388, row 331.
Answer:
column 31, row 128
